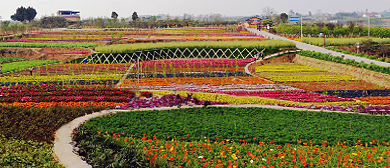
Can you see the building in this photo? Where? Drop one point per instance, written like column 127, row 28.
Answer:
column 246, row 21
column 372, row 15
column 69, row 15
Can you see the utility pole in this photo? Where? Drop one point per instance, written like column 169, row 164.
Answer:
column 301, row 27
column 368, row 25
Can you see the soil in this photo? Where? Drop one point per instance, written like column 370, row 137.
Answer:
column 37, row 53
column 19, row 52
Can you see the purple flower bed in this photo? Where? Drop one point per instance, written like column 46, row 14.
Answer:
column 167, row 101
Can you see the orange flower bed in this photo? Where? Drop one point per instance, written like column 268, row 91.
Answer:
column 64, row 104
column 195, row 80
column 376, row 100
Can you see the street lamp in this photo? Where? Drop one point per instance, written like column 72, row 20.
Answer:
column 321, row 34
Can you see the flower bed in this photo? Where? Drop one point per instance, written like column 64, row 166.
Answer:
column 195, row 80
column 251, row 99
column 192, row 65
column 317, row 78
column 286, row 68
column 333, row 85
column 261, row 90
column 356, row 93
column 52, row 93
column 201, row 138
column 82, row 69
column 60, row 80
column 190, row 74
column 382, row 100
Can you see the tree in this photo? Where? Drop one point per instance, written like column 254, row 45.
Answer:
column 267, row 22
column 351, row 26
column 134, row 16
column 269, row 12
column 114, row 15
column 53, row 22
column 284, row 17
column 23, row 14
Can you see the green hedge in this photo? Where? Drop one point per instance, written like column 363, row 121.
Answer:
column 14, row 66
column 327, row 57
column 142, row 47
column 342, row 41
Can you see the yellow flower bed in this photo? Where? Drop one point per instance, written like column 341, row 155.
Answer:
column 286, row 68
column 58, row 78
column 248, row 100
column 317, row 78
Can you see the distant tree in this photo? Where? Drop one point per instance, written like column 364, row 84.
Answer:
column 134, row 16
column 284, row 17
column 268, row 12
column 351, row 26
column 23, row 14
column 54, row 22
column 114, row 15
column 330, row 26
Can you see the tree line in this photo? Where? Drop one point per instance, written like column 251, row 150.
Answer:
column 352, row 29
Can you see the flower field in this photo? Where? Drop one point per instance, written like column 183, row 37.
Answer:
column 225, row 137
column 33, row 107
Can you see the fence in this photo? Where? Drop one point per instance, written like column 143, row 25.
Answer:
column 173, row 54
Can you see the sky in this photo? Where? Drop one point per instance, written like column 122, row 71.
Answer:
column 125, row 8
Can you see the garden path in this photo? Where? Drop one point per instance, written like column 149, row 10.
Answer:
column 305, row 46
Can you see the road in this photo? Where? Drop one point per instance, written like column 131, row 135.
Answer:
column 305, row 46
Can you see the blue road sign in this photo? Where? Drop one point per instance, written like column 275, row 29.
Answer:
column 295, row 19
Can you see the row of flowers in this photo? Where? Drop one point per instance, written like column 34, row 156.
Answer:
column 221, row 152
column 357, row 93
column 176, row 63
column 186, row 69
column 58, row 78
column 66, row 53
column 317, row 78
column 52, row 93
column 64, row 104
column 252, row 99
column 157, row 33
column 376, row 100
column 260, row 90
column 62, row 82
column 195, row 80
column 380, row 110
column 59, row 40
column 286, row 68
column 56, row 90
column 168, row 101
column 181, row 74
column 83, row 67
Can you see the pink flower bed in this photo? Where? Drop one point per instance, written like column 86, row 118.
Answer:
column 176, row 63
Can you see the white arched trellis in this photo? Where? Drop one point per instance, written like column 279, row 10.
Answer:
column 173, row 54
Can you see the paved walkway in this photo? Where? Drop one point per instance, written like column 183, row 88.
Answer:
column 305, row 46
